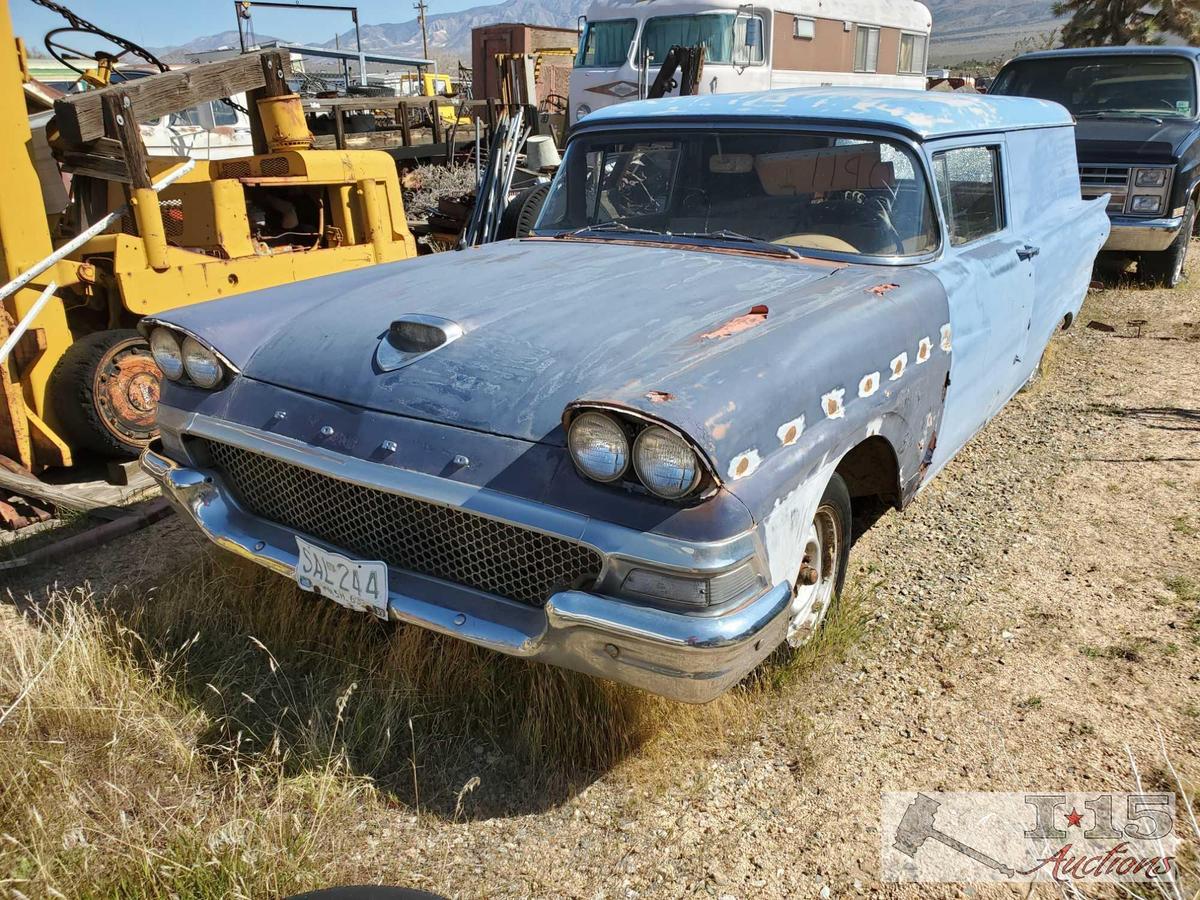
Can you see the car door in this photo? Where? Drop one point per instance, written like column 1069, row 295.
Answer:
column 988, row 273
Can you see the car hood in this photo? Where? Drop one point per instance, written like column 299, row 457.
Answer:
column 549, row 322
column 1131, row 140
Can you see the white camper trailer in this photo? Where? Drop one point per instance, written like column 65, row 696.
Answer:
column 751, row 47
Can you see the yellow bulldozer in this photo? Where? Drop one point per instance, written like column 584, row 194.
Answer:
column 144, row 234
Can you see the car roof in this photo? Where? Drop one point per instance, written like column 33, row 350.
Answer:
column 925, row 114
column 1157, row 50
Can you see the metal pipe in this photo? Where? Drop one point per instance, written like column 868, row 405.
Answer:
column 24, row 324
column 83, row 237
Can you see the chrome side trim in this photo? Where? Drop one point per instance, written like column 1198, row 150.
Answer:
column 685, row 657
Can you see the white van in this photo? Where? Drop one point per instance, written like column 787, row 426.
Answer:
column 751, row 47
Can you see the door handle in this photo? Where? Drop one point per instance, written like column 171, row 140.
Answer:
column 1028, row 251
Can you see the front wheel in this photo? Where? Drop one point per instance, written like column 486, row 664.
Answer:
column 105, row 391
column 1166, row 267
column 823, row 569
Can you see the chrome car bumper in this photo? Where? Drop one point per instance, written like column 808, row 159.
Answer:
column 688, row 657
column 1142, row 235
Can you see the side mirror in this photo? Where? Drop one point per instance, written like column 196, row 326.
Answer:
column 748, row 39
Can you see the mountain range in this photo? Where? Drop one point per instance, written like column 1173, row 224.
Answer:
column 962, row 29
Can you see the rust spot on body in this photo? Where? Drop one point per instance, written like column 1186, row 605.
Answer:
column 880, row 289
column 756, row 316
column 659, row 396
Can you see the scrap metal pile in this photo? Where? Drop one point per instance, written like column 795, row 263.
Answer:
column 496, row 179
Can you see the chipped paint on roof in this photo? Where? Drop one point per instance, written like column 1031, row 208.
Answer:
column 927, row 114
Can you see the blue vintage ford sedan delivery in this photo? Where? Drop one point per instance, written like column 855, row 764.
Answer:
column 630, row 444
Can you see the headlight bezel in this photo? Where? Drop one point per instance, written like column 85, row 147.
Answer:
column 635, row 423
column 149, row 326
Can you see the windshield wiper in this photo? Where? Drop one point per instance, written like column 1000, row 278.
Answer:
column 1119, row 115
column 725, row 234
column 603, row 227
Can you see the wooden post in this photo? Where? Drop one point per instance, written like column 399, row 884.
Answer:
column 339, row 128
column 120, row 124
column 435, row 119
column 405, row 125
column 492, row 118
column 274, row 77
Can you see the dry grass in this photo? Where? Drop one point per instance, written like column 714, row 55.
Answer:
column 223, row 735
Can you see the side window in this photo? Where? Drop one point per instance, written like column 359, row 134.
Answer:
column 968, row 186
column 866, row 48
column 224, row 114
column 912, row 54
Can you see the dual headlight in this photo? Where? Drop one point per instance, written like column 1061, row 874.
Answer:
column 663, row 461
column 1149, row 178
column 188, row 358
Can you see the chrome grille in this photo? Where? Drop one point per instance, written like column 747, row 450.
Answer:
column 1097, row 180
column 406, row 533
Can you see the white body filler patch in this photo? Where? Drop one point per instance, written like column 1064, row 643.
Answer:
column 744, row 464
column 833, row 404
column 786, row 527
column 789, row 432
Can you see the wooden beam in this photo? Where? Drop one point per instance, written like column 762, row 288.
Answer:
column 80, row 118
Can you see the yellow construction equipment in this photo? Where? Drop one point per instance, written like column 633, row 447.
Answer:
column 147, row 234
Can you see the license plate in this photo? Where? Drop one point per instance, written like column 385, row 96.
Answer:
column 355, row 584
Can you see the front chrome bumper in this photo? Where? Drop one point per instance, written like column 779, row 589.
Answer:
column 1130, row 233
column 687, row 657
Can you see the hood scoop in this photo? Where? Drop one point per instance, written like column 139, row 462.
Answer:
column 413, row 337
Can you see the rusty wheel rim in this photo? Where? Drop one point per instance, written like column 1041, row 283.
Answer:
column 817, row 582
column 126, row 391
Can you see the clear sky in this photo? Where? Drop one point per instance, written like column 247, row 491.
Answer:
column 161, row 23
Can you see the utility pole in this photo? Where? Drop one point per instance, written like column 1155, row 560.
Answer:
column 420, row 6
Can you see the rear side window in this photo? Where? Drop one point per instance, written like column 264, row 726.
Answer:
column 968, row 186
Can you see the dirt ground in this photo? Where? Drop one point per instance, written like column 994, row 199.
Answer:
column 1030, row 620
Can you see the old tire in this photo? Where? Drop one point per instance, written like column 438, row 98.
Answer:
column 1165, row 268
column 522, row 212
column 105, row 391
column 826, row 559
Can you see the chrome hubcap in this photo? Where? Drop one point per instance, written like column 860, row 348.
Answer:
column 817, row 580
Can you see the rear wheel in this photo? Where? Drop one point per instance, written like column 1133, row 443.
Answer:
column 823, row 569
column 105, row 391
column 1166, row 267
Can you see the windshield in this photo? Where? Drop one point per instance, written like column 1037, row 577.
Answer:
column 714, row 31
column 1157, row 86
column 825, row 192
column 605, row 44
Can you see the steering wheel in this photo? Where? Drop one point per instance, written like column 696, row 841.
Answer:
column 63, row 53
column 855, row 207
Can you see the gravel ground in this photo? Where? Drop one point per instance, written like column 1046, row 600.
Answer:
column 1021, row 635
